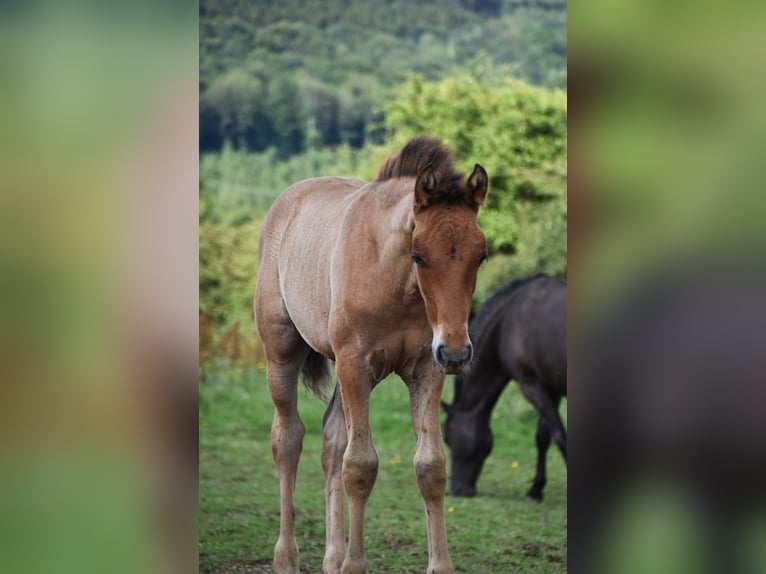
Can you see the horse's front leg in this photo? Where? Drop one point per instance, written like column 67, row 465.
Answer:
column 360, row 460
column 430, row 465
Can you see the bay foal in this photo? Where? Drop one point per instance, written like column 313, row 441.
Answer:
column 377, row 277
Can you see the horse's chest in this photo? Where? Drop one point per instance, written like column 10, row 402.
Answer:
column 387, row 341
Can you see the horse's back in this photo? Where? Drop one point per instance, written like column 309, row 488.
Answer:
column 295, row 250
column 322, row 197
column 534, row 331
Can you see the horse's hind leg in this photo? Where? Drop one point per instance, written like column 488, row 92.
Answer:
column 287, row 433
column 549, row 426
column 556, row 427
column 334, row 442
column 285, row 353
column 543, row 439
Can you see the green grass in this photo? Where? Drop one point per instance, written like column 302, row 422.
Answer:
column 497, row 531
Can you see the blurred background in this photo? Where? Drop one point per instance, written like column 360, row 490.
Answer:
column 98, row 286
column 667, row 309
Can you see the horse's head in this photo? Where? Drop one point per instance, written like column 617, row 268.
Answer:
column 470, row 440
column 447, row 249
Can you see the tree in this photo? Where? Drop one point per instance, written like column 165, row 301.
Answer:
column 287, row 116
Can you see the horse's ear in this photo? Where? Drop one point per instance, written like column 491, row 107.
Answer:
column 425, row 186
column 446, row 408
column 477, row 184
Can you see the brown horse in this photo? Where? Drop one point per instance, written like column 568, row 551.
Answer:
column 377, row 277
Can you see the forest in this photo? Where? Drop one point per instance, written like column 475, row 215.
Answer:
column 296, row 76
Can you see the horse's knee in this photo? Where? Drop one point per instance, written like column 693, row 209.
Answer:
column 431, row 473
column 360, row 470
column 287, row 438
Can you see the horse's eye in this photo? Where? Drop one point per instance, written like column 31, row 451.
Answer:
column 483, row 258
column 418, row 260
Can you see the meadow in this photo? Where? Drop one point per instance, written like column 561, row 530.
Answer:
column 497, row 531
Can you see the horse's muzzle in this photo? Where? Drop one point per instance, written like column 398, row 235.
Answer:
column 459, row 489
column 453, row 361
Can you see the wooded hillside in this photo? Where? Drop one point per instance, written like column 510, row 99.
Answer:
column 296, row 75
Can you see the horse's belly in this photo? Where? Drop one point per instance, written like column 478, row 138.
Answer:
column 311, row 323
column 304, row 259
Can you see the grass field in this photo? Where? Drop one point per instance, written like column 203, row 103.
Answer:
column 498, row 531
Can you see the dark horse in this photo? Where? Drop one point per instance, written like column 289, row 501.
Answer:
column 519, row 333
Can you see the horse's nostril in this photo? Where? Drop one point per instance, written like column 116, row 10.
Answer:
column 445, row 355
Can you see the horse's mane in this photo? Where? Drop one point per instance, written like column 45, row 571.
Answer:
column 488, row 310
column 419, row 153
column 488, row 314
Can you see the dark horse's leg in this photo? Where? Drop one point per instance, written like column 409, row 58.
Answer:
column 549, row 426
column 543, row 439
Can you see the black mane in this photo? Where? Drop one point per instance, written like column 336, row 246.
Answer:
column 488, row 313
column 488, row 310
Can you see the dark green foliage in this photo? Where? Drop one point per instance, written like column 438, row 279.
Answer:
column 300, row 75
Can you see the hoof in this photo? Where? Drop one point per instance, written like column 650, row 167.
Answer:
column 354, row 567
column 286, row 558
column 463, row 490
column 535, row 495
column 332, row 561
column 440, row 569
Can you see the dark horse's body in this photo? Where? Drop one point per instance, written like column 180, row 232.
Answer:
column 520, row 334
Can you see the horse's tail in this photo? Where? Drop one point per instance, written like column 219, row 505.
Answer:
column 316, row 373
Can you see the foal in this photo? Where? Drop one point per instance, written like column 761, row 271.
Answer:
column 377, row 277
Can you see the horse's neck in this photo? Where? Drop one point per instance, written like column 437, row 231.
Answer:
column 480, row 390
column 402, row 220
column 377, row 237
column 395, row 235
